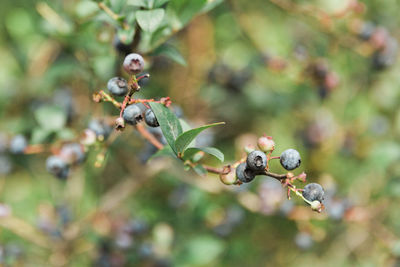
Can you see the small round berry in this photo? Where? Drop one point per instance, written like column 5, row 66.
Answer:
column 117, row 86
column 303, row 240
column 57, row 166
column 18, row 144
column 244, row 174
column 313, row 192
column 266, row 144
column 101, row 128
column 132, row 114
column 257, row 160
column 119, row 123
column 290, row 159
column 88, row 137
column 150, row 118
column 228, row 178
column 133, row 63
column 316, row 206
column 5, row 165
column 72, row 153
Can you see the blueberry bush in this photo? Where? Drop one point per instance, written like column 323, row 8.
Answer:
column 179, row 133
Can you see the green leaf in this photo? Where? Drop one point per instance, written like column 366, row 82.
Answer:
column 51, row 118
column 139, row 3
column 199, row 169
column 170, row 52
column 185, row 125
column 197, row 247
column 184, row 140
column 158, row 3
column 169, row 123
column 165, row 151
column 209, row 150
column 39, row 135
column 150, row 20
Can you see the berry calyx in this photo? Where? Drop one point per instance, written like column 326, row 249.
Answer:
column 290, row 159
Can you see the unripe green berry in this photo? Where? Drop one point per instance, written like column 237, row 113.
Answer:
column 266, row 144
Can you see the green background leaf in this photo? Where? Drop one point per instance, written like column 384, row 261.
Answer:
column 51, row 117
column 150, row 20
column 209, row 150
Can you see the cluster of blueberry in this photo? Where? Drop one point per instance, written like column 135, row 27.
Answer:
column 256, row 163
column 13, row 146
column 324, row 78
column 385, row 46
column 71, row 154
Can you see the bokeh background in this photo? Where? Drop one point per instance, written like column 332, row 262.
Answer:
column 318, row 76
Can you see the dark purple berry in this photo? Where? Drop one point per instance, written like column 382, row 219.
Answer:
column 101, row 128
column 133, row 63
column 256, row 160
column 150, row 118
column 117, row 86
column 57, row 166
column 290, row 159
column 132, row 114
column 313, row 192
column 18, row 144
column 244, row 174
column 72, row 153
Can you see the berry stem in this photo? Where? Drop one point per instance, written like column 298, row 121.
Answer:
column 113, row 15
column 148, row 136
column 107, row 98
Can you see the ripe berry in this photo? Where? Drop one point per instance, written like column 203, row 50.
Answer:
column 132, row 114
column 244, row 174
column 266, row 144
column 313, row 192
column 256, row 160
column 133, row 63
column 290, row 159
column 5, row 165
column 72, row 153
column 101, row 129
column 150, row 118
column 117, row 86
column 57, row 166
column 18, row 144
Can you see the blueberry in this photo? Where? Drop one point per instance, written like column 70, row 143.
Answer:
column 101, row 129
column 132, row 114
column 18, row 144
column 228, row 179
column 133, row 63
column 257, row 160
column 313, row 192
column 57, row 166
column 117, row 86
column 366, row 31
column 63, row 98
column 150, row 118
column 303, row 240
column 290, row 159
column 72, row 153
column 5, row 165
column 244, row 174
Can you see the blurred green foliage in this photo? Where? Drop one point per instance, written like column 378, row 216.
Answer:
column 255, row 65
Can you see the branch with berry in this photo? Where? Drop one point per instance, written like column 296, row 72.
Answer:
column 179, row 138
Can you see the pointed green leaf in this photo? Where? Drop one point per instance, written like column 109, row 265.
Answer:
column 185, row 125
column 199, row 169
column 51, row 118
column 170, row 52
column 183, row 140
column 169, row 123
column 150, row 20
column 209, row 150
